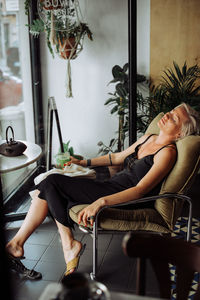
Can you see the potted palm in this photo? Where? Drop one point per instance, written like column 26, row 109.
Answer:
column 177, row 85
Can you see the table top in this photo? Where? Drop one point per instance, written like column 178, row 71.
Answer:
column 32, row 153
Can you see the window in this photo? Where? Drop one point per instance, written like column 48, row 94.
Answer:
column 16, row 107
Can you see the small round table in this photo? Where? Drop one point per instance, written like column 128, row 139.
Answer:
column 32, row 153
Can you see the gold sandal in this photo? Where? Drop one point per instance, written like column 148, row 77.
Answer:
column 73, row 264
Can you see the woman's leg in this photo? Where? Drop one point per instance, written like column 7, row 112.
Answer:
column 71, row 247
column 35, row 216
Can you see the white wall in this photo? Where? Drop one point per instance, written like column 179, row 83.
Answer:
column 84, row 119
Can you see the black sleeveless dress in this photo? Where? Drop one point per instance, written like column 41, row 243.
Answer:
column 62, row 192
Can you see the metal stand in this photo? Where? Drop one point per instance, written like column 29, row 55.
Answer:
column 52, row 108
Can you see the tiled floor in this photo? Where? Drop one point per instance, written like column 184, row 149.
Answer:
column 43, row 252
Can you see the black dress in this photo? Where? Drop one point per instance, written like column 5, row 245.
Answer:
column 62, row 192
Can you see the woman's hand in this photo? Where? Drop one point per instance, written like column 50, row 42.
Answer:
column 73, row 160
column 90, row 211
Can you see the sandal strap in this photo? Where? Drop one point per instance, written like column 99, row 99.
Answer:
column 72, row 264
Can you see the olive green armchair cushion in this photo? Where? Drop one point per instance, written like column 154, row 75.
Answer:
column 125, row 220
column 181, row 176
column 166, row 212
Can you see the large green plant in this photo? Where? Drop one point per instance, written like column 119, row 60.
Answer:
column 177, row 85
column 119, row 101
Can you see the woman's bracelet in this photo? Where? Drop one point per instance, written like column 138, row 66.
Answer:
column 88, row 162
column 110, row 158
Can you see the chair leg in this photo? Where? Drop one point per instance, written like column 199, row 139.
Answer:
column 189, row 227
column 140, row 276
column 95, row 251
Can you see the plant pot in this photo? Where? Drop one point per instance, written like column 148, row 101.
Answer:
column 67, row 48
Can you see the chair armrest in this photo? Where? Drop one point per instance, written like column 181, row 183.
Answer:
column 148, row 199
column 153, row 198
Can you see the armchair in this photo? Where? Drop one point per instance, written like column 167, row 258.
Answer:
column 168, row 204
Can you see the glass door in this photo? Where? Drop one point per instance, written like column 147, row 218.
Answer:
column 16, row 107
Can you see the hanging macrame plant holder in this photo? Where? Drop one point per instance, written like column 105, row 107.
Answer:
column 68, row 42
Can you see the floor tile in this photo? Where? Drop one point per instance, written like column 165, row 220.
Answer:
column 86, row 257
column 34, row 252
column 30, row 263
column 43, row 252
column 31, row 290
column 115, row 270
column 41, row 237
column 103, row 241
column 51, row 271
column 53, row 254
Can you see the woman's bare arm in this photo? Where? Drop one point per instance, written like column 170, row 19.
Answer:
column 104, row 160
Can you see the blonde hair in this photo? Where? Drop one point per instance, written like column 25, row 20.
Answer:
column 192, row 126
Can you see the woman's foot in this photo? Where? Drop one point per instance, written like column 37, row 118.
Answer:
column 15, row 254
column 72, row 252
column 14, row 249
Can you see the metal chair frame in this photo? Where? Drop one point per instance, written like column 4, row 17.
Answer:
column 96, row 230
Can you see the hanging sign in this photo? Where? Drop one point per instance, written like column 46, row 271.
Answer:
column 58, row 12
column 12, row 5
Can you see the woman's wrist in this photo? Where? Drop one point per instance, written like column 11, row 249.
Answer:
column 102, row 202
column 83, row 162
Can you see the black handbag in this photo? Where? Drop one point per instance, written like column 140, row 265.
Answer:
column 12, row 147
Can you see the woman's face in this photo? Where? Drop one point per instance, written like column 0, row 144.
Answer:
column 171, row 123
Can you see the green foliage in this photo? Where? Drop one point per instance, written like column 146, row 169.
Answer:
column 37, row 27
column 177, row 85
column 67, row 148
column 180, row 85
column 26, row 6
column 119, row 101
column 73, row 30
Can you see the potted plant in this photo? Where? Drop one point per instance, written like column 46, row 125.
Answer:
column 177, row 85
column 60, row 20
column 119, row 101
column 62, row 158
column 63, row 36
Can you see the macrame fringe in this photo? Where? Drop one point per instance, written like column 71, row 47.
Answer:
column 68, row 48
column 69, row 80
column 52, row 36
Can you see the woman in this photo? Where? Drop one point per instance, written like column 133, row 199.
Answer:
column 146, row 163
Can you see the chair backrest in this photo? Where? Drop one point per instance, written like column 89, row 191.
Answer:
column 181, row 176
column 161, row 251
